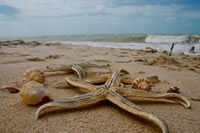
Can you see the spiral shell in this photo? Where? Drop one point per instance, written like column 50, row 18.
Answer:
column 33, row 93
column 142, row 83
column 34, row 74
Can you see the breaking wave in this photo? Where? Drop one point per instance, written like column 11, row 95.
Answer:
column 189, row 39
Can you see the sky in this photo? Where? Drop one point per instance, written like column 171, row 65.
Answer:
column 64, row 17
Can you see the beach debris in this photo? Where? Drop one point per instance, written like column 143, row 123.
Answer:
column 35, row 59
column 141, row 60
column 35, row 74
column 192, row 50
column 123, row 61
column 150, row 50
column 153, row 79
column 142, row 84
column 10, row 89
column 33, row 43
column 123, row 71
column 13, row 42
column 33, row 93
column 164, row 52
column 173, row 89
column 52, row 57
column 163, row 60
column 141, row 72
column 171, row 49
column 195, row 99
column 102, row 61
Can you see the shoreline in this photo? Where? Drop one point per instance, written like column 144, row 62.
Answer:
column 176, row 70
column 179, row 47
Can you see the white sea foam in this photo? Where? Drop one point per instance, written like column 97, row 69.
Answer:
column 166, row 38
column 178, row 48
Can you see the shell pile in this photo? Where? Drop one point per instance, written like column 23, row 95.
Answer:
column 142, row 83
column 34, row 74
column 33, row 93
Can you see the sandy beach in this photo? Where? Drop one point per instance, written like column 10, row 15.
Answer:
column 177, row 70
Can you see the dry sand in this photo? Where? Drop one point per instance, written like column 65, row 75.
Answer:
column 176, row 70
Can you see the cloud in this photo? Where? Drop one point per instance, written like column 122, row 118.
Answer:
column 8, row 10
column 76, row 8
column 53, row 7
column 100, row 7
column 95, row 16
column 8, row 14
column 192, row 14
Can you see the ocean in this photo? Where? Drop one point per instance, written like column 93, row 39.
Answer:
column 159, row 42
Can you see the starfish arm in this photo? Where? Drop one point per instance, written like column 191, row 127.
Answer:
column 141, row 93
column 99, row 79
column 114, row 80
column 80, row 84
column 62, row 84
column 136, row 110
column 88, row 65
column 55, row 68
column 80, row 72
column 85, row 99
column 102, row 78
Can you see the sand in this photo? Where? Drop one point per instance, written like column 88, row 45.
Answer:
column 176, row 70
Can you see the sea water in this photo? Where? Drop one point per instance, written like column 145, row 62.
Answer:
column 160, row 42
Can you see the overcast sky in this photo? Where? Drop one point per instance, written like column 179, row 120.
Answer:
column 60, row 17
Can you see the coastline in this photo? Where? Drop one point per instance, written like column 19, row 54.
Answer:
column 176, row 70
column 160, row 42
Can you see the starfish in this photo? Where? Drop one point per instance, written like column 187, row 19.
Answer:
column 77, row 68
column 112, row 92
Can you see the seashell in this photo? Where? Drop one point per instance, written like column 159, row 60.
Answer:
column 33, row 93
column 35, row 74
column 123, row 71
column 142, row 83
column 173, row 89
column 10, row 89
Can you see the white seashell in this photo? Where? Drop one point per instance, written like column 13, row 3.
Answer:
column 10, row 89
column 142, row 83
column 33, row 93
column 34, row 74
